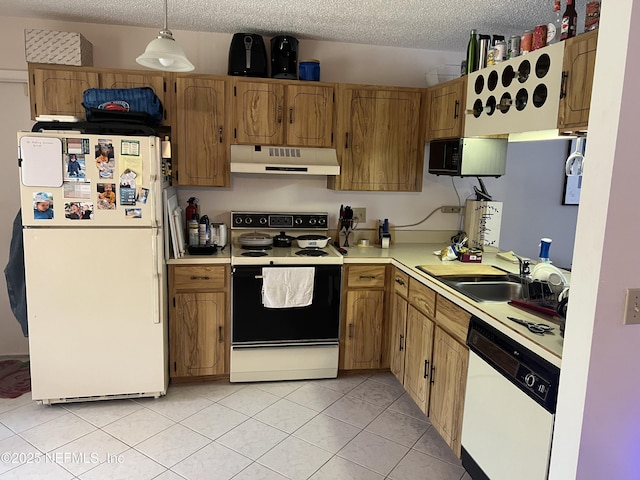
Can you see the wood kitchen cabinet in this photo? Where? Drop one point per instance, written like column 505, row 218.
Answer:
column 380, row 139
column 398, row 328
column 282, row 113
column 445, row 107
column 429, row 356
column 361, row 339
column 201, row 141
column 448, row 382
column 199, row 320
column 577, row 82
column 449, row 377
column 56, row 90
column 136, row 79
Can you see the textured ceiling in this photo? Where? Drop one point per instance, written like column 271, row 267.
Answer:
column 424, row 24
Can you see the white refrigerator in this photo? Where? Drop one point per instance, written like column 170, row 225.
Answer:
column 94, row 265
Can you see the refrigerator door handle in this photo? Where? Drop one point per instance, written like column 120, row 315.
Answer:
column 155, row 307
column 154, row 199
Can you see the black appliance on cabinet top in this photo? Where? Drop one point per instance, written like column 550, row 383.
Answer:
column 284, row 57
column 247, row 56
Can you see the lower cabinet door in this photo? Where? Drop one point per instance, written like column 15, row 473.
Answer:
column 197, row 334
column 417, row 366
column 398, row 338
column 449, row 377
column 363, row 324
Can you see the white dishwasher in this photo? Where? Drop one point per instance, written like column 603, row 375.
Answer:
column 509, row 408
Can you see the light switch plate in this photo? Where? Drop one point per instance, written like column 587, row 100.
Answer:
column 632, row 309
column 361, row 214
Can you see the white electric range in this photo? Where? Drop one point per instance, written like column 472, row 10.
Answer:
column 284, row 342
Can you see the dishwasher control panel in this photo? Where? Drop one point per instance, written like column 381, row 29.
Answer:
column 531, row 373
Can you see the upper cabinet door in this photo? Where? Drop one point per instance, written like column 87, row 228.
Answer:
column 309, row 115
column 258, row 113
column 59, row 91
column 577, row 72
column 124, row 79
column 201, row 139
column 380, row 140
column 445, row 109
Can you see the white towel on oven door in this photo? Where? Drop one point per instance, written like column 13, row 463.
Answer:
column 287, row 287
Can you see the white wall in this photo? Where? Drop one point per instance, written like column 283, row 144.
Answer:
column 597, row 430
column 14, row 100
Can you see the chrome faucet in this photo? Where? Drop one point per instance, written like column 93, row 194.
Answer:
column 524, row 263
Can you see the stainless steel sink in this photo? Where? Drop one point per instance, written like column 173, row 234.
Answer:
column 486, row 289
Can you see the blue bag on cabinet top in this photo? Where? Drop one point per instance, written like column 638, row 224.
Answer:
column 140, row 105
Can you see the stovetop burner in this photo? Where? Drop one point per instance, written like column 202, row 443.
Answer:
column 254, row 253
column 311, row 252
column 256, row 248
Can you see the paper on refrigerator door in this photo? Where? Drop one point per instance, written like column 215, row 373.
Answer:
column 41, row 161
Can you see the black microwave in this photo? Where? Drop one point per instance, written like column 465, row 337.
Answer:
column 468, row 157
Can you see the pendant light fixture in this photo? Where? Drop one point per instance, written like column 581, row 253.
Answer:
column 164, row 53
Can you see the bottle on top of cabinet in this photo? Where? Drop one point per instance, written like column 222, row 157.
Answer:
column 472, row 52
column 569, row 21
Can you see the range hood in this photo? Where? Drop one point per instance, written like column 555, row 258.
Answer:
column 284, row 160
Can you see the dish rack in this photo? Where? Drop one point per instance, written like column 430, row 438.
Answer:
column 540, row 294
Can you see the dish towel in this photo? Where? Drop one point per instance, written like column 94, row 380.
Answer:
column 287, row 287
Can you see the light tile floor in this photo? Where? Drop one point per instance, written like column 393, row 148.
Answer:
column 356, row 427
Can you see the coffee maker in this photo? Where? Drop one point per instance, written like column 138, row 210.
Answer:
column 284, row 57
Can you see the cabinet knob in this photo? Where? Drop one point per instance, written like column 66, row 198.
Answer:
column 433, row 370
column 279, row 119
column 346, row 140
column 220, row 132
column 399, row 281
column 426, row 368
column 455, row 110
column 367, row 277
column 401, row 342
column 351, row 330
column 193, row 277
column 220, row 336
column 291, row 115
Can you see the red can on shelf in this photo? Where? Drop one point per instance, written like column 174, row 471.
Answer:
column 539, row 39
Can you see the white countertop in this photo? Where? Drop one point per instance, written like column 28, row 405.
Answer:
column 408, row 256
column 221, row 256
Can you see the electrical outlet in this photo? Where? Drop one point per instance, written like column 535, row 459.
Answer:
column 632, row 310
column 360, row 214
column 451, row 209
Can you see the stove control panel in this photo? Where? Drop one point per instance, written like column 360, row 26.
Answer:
column 280, row 220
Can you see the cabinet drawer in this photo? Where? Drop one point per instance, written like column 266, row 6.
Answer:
column 422, row 297
column 401, row 282
column 199, row 277
column 453, row 319
column 362, row 276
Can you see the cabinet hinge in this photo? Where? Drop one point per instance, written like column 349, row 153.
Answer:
column 33, row 78
column 234, row 91
column 175, row 87
column 175, row 367
column 331, row 138
column 235, row 133
column 164, row 87
column 174, row 302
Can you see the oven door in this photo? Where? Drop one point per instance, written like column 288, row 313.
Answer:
column 255, row 325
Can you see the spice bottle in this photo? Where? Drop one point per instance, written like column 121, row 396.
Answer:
column 193, row 230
